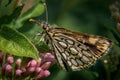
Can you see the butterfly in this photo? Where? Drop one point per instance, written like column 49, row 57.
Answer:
column 74, row 49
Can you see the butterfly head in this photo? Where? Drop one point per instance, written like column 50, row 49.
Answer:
column 45, row 26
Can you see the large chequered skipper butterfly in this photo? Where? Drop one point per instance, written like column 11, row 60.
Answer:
column 75, row 49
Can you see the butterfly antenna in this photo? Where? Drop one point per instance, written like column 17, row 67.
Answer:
column 39, row 23
column 46, row 10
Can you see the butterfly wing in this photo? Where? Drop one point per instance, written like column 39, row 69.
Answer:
column 99, row 45
column 76, row 49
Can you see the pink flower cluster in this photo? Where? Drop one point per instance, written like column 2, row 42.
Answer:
column 115, row 12
column 13, row 67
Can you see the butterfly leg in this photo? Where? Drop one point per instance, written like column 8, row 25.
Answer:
column 39, row 34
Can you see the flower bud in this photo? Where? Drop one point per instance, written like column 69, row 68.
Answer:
column 46, row 65
column 28, row 64
column 46, row 73
column 40, row 75
column 18, row 62
column 10, row 59
column 38, row 69
column 8, row 68
column 23, row 69
column 18, row 72
column 31, row 69
column 33, row 63
column 47, row 55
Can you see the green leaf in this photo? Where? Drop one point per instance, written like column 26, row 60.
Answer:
column 35, row 11
column 7, row 19
column 7, row 7
column 38, row 10
column 15, row 43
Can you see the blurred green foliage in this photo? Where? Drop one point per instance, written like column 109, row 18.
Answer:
column 87, row 16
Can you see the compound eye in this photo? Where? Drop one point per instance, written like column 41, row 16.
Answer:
column 44, row 26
